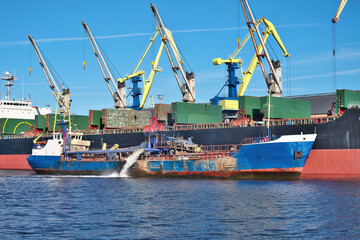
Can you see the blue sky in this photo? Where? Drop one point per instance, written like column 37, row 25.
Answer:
column 203, row 30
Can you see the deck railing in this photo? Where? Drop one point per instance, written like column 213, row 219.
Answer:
column 279, row 122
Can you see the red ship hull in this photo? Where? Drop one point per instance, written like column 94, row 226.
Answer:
column 14, row 162
column 333, row 162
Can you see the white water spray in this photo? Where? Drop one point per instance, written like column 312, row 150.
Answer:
column 130, row 161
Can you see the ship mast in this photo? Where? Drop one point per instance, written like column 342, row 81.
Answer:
column 10, row 81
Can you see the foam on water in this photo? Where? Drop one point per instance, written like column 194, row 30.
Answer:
column 109, row 175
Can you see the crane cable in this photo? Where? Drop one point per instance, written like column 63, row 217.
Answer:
column 54, row 73
column 333, row 57
column 30, row 59
column 84, row 48
column 288, row 77
column 238, row 23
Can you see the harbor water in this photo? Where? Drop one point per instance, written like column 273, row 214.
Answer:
column 110, row 207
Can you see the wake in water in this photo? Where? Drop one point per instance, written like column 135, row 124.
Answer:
column 130, row 161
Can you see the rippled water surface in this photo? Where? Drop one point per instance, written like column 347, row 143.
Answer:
column 63, row 207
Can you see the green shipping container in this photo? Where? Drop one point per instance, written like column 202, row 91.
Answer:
column 10, row 126
column 78, row 122
column 346, row 99
column 125, row 118
column 252, row 105
column 40, row 122
column 95, row 119
column 196, row 113
column 285, row 108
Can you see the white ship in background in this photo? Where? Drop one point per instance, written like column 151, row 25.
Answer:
column 18, row 109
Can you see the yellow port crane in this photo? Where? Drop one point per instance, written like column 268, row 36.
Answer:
column 270, row 29
column 188, row 88
column 138, row 76
column 232, row 61
column 117, row 91
column 272, row 79
column 62, row 96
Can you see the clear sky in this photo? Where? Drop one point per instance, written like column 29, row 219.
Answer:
column 203, row 30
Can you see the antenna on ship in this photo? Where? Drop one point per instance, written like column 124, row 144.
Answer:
column 9, row 78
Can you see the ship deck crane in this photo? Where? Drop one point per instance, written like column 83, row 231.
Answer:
column 138, row 76
column 62, row 96
column 119, row 92
column 188, row 88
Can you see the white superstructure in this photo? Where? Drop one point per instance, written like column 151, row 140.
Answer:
column 21, row 109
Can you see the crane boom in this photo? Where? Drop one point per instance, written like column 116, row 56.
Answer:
column 338, row 12
column 60, row 96
column 270, row 29
column 188, row 89
column 150, row 80
column 136, row 75
column 244, row 3
column 119, row 94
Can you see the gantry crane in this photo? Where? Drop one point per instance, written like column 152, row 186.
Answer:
column 188, row 88
column 119, row 92
column 62, row 97
column 138, row 76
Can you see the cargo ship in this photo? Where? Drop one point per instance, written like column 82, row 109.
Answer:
column 335, row 151
column 254, row 158
column 228, row 121
column 17, row 118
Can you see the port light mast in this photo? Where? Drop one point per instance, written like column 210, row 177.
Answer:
column 62, row 97
column 188, row 88
column 119, row 92
column 250, row 21
column 139, row 76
